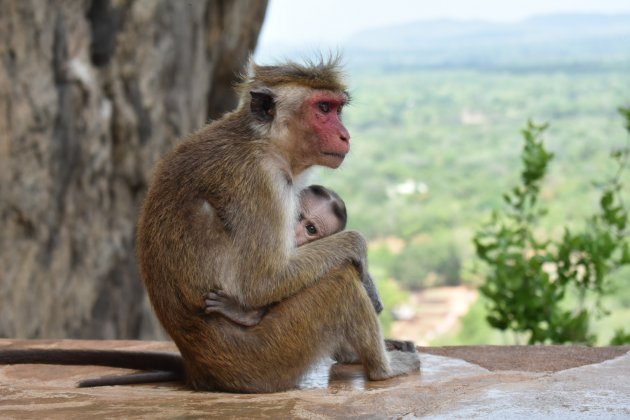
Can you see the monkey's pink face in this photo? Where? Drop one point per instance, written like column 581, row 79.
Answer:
column 324, row 116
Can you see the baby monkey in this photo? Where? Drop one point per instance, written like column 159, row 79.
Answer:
column 322, row 213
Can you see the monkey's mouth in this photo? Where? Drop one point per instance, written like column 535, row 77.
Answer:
column 341, row 156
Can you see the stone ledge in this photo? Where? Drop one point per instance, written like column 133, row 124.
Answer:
column 455, row 382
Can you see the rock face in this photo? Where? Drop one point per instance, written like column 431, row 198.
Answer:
column 92, row 93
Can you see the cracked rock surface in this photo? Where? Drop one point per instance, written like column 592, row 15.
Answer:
column 92, row 93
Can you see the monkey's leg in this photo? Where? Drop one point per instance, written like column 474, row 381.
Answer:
column 368, row 343
column 345, row 354
column 297, row 332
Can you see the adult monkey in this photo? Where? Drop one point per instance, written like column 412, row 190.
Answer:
column 220, row 214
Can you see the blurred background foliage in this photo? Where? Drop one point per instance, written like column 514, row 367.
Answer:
column 437, row 142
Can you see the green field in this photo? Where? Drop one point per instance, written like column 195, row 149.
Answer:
column 434, row 148
column 413, row 126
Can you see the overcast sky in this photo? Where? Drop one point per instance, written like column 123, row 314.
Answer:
column 326, row 23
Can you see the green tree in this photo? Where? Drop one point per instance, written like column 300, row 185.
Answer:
column 529, row 279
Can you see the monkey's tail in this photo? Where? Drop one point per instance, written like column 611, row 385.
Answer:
column 140, row 360
column 132, row 378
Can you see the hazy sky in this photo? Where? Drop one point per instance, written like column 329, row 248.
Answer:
column 325, row 23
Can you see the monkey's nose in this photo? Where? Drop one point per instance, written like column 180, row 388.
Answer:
column 344, row 136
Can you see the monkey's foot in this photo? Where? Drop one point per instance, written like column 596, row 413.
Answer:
column 400, row 345
column 400, row 363
column 345, row 355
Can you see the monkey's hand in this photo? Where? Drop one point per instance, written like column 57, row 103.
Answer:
column 218, row 302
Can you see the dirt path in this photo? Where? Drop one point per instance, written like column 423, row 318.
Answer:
column 433, row 312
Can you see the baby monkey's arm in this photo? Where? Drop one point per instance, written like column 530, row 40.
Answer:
column 218, row 302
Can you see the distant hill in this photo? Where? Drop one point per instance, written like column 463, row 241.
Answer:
column 548, row 39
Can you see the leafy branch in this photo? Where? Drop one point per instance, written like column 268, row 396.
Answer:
column 529, row 278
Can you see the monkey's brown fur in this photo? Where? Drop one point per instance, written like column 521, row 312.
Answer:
column 323, row 75
column 220, row 213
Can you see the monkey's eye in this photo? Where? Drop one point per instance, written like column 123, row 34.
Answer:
column 324, row 107
column 311, row 229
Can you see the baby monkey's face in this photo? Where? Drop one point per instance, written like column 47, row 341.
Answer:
column 317, row 220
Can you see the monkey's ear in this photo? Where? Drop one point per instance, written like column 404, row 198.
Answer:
column 263, row 105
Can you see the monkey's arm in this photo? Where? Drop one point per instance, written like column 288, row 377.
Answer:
column 273, row 281
column 218, row 302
